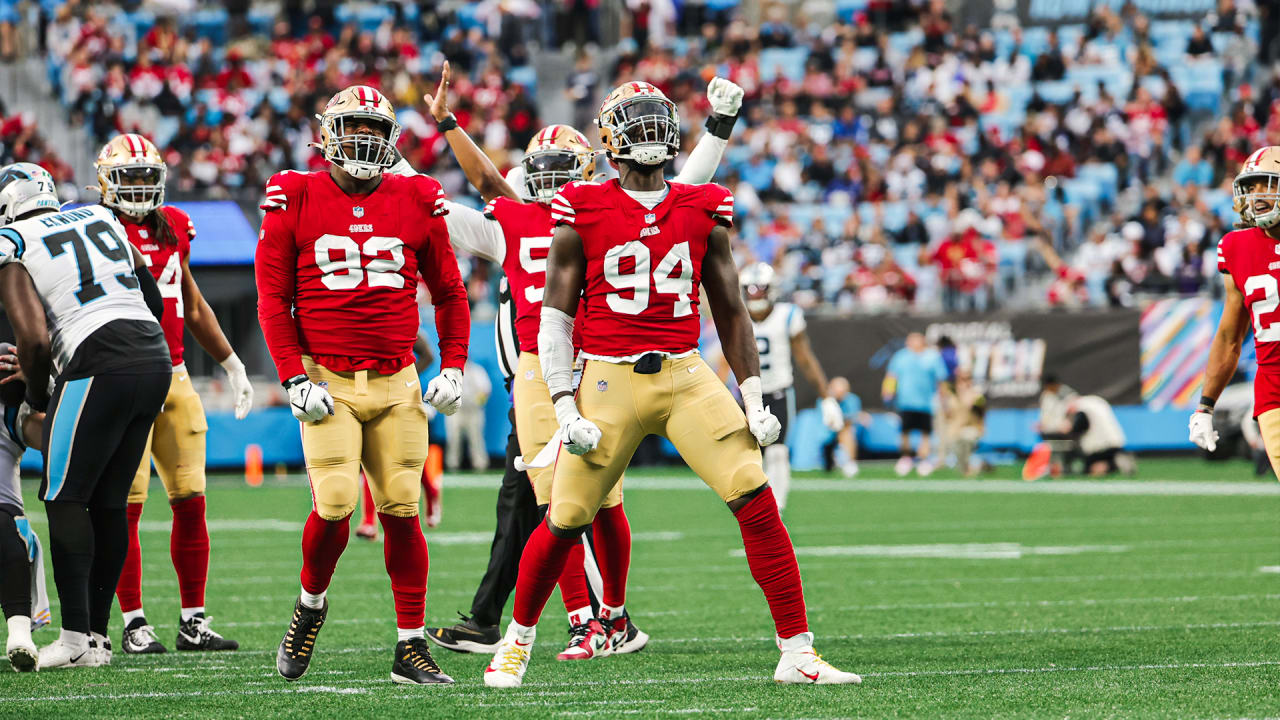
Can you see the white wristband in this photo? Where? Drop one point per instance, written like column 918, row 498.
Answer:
column 232, row 364
column 555, row 350
column 752, row 395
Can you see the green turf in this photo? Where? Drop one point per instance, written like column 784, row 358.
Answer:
column 1166, row 613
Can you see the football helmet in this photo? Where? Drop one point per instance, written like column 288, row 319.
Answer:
column 25, row 187
column 758, row 287
column 639, row 123
column 1259, row 179
column 131, row 175
column 362, row 155
column 556, row 155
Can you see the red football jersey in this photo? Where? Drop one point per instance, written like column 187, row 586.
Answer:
column 1252, row 259
column 527, row 229
column 337, row 274
column 643, row 266
column 165, row 262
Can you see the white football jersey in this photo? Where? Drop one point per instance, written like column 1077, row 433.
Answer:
column 81, row 265
column 773, row 341
column 11, row 449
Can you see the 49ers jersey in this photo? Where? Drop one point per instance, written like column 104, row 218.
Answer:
column 164, row 260
column 1252, row 259
column 526, row 227
column 643, row 266
column 337, row 274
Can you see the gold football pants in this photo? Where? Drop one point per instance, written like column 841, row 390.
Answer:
column 176, row 444
column 1269, row 423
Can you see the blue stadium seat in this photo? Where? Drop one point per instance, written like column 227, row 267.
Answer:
column 1105, row 176
column 1056, row 92
column 904, row 42
column 371, row 16
column 525, row 75
column 845, row 9
column 212, row 23
column 1035, row 41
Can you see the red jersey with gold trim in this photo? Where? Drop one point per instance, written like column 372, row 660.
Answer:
column 337, row 274
column 527, row 229
column 1252, row 259
column 644, row 265
column 165, row 260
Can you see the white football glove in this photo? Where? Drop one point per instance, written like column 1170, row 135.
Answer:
column 308, row 401
column 724, row 95
column 241, row 389
column 1202, row 432
column 579, row 435
column 444, row 392
column 832, row 414
column 762, row 423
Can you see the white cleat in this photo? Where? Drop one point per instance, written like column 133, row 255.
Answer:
column 806, row 667
column 849, row 469
column 21, row 649
column 506, row 669
column 924, row 468
column 902, row 467
column 63, row 654
column 102, row 645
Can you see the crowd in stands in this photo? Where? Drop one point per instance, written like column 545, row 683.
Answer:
column 885, row 160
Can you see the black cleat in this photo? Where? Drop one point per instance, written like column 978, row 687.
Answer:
column 467, row 637
column 415, row 666
column 624, row 636
column 140, row 639
column 195, row 634
column 294, row 655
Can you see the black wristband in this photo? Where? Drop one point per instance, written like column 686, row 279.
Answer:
column 721, row 125
column 295, row 380
column 447, row 124
column 1207, row 402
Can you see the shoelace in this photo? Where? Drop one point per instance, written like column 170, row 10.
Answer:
column 201, row 626
column 579, row 633
column 308, row 642
column 512, row 658
column 147, row 632
column 420, row 658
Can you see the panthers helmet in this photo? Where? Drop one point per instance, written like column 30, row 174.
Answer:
column 360, row 155
column 759, row 288
column 131, row 175
column 556, row 155
column 639, row 123
column 25, row 187
column 1263, row 166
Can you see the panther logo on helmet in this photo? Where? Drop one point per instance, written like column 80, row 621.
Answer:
column 558, row 154
column 362, row 155
column 25, row 187
column 131, row 175
column 639, row 123
column 1258, row 181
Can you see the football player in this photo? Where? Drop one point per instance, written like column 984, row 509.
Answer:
column 131, row 179
column 83, row 305
column 514, row 231
column 781, row 341
column 1246, row 258
column 634, row 251
column 338, row 262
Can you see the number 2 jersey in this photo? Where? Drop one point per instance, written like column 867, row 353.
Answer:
column 83, row 272
column 1252, row 259
column 165, row 260
column 644, row 265
column 773, row 343
column 337, row 274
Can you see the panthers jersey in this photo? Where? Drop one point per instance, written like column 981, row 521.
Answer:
column 526, row 228
column 1252, row 259
column 12, row 446
column 643, row 266
column 773, row 341
column 82, row 269
column 338, row 274
column 165, row 260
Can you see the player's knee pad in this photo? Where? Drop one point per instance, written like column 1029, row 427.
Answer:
column 570, row 516
column 138, row 490
column 744, row 480
column 334, row 492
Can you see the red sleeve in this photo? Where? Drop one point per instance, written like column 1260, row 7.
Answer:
column 275, row 266
column 182, row 226
column 720, row 204
column 562, row 210
column 439, row 268
column 1222, row 255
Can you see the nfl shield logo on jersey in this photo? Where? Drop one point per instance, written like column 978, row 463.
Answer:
column 602, row 385
column 357, row 211
column 650, row 218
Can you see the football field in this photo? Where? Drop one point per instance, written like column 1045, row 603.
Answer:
column 1152, row 597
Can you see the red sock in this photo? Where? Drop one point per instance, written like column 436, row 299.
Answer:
column 541, row 563
column 129, row 589
column 773, row 563
column 322, row 544
column 573, row 580
column 612, row 536
column 367, row 511
column 189, row 548
column 405, row 552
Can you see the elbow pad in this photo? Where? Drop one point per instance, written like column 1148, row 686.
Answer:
column 555, row 350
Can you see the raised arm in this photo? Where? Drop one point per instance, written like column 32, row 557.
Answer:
column 726, row 99
column 473, row 232
column 483, row 175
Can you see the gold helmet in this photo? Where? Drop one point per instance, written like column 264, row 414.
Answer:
column 131, row 175
column 556, row 155
column 362, row 155
column 1259, row 179
column 638, row 123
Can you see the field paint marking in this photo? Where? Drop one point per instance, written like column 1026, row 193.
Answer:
column 436, row 538
column 1269, row 569
column 957, row 551
column 665, row 711
column 1083, row 668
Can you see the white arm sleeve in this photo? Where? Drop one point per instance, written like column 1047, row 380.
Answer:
column 555, row 350
column 471, row 231
column 703, row 161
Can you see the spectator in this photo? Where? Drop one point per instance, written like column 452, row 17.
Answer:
column 842, row 449
column 909, row 387
column 1193, row 169
column 964, row 412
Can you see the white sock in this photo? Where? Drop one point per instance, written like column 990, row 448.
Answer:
column 523, row 633
column 315, row 602
column 796, row 643
column 77, row 640
column 188, row 613
column 403, row 634
column 608, row 612
column 579, row 616
column 777, row 467
column 19, row 629
column 133, row 615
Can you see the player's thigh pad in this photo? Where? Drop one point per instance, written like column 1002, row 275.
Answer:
column 332, row 446
column 142, row 479
column 710, row 431
column 535, row 420
column 178, row 440
column 395, row 443
column 581, row 483
column 1269, row 424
